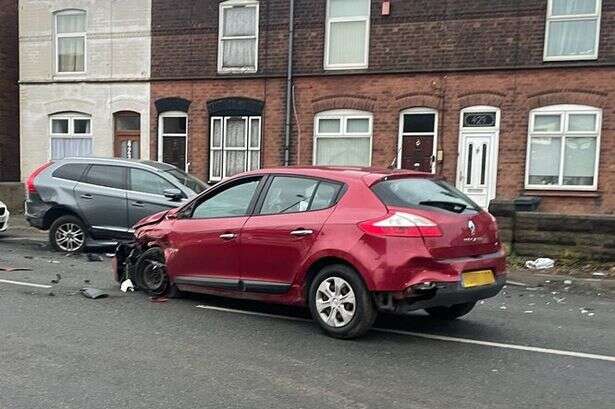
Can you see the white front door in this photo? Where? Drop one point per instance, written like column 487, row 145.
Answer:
column 477, row 167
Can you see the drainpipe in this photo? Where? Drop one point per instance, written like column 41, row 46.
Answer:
column 289, row 83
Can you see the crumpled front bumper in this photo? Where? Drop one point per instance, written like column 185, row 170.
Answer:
column 444, row 294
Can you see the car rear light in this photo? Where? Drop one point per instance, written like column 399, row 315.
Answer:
column 30, row 188
column 399, row 224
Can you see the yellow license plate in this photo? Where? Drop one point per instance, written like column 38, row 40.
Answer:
column 477, row 278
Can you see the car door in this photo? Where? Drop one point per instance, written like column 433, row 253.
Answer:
column 101, row 198
column 146, row 195
column 278, row 238
column 205, row 237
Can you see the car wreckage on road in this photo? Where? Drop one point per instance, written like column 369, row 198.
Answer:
column 347, row 242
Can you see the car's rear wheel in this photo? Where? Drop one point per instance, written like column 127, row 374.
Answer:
column 150, row 275
column 340, row 302
column 67, row 234
column 451, row 313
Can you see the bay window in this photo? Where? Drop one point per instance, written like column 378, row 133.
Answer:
column 343, row 138
column 573, row 30
column 238, row 36
column 347, row 34
column 71, row 136
column 70, row 44
column 563, row 148
column 234, row 145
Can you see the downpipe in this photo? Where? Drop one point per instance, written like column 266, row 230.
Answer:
column 289, row 83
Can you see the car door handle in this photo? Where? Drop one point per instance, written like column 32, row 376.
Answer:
column 228, row 236
column 137, row 204
column 87, row 196
column 301, row 232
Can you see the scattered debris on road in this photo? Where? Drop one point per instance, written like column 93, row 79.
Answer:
column 158, row 299
column 93, row 257
column 11, row 269
column 542, row 263
column 93, row 293
column 127, row 285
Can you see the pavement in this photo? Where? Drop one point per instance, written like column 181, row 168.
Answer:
column 532, row 346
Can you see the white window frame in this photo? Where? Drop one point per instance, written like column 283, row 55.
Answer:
column 564, row 111
column 70, row 35
column 331, row 20
column 229, row 5
column 597, row 15
column 400, row 140
column 70, row 117
column 343, row 115
column 248, row 120
column 161, row 134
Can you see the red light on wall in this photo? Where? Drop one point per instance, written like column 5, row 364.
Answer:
column 386, row 7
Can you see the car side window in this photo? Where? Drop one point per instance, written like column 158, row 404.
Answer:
column 70, row 171
column 108, row 176
column 232, row 202
column 288, row 195
column 325, row 196
column 147, row 182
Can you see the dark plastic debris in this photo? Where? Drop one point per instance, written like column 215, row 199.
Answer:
column 93, row 293
column 94, row 257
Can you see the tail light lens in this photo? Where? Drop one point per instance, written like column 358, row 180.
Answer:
column 399, row 224
column 30, row 188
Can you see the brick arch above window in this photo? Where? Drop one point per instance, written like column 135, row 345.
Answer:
column 408, row 101
column 235, row 106
column 360, row 103
column 483, row 98
column 172, row 104
column 573, row 97
column 70, row 105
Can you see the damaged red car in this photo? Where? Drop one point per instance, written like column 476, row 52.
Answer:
column 346, row 242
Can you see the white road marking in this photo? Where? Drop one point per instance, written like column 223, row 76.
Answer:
column 433, row 336
column 26, row 284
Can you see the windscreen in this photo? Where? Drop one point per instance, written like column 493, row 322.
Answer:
column 413, row 192
column 187, row 180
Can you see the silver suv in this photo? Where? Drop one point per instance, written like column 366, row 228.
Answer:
column 90, row 202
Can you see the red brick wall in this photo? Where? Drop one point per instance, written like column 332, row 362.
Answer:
column 418, row 35
column 9, row 93
column 514, row 92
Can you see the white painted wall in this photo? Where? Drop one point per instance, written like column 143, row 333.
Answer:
column 118, row 61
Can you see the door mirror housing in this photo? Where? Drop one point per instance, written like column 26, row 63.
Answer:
column 173, row 194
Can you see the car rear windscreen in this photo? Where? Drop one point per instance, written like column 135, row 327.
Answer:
column 422, row 192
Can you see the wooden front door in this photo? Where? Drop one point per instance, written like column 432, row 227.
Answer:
column 417, row 153
column 127, row 140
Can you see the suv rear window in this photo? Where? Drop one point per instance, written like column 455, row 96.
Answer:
column 421, row 192
column 70, row 171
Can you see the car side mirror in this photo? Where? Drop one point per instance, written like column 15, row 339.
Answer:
column 173, row 194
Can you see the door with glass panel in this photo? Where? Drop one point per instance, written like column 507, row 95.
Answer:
column 235, row 145
column 477, row 167
column 127, row 139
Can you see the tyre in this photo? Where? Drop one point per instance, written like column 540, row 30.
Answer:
column 67, row 234
column 451, row 313
column 150, row 275
column 340, row 302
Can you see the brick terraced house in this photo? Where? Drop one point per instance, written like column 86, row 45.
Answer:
column 9, row 92
column 503, row 98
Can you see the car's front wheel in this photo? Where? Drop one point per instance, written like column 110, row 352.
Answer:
column 451, row 313
column 67, row 234
column 341, row 303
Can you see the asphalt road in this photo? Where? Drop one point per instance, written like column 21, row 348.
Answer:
column 61, row 350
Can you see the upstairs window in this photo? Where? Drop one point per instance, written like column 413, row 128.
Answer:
column 347, row 34
column 70, row 41
column 563, row 148
column 71, row 136
column 573, row 30
column 238, row 36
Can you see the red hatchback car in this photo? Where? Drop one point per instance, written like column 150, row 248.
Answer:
column 347, row 242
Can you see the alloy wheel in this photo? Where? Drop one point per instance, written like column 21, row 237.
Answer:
column 335, row 302
column 69, row 237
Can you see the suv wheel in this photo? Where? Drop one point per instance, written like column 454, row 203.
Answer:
column 451, row 313
column 67, row 234
column 340, row 302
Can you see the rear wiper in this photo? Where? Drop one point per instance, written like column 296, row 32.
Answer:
column 452, row 206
